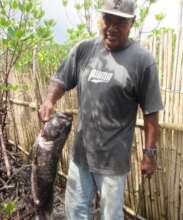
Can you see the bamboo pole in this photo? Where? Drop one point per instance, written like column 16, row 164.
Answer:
column 171, row 126
column 169, row 73
column 177, row 175
column 162, row 174
column 181, row 183
column 160, row 70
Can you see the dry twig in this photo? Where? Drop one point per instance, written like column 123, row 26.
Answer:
column 4, row 153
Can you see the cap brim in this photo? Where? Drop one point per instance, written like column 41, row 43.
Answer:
column 117, row 13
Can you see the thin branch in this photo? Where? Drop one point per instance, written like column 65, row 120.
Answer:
column 18, row 171
column 7, row 187
column 4, row 153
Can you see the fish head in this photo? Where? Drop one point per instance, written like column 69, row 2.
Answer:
column 58, row 123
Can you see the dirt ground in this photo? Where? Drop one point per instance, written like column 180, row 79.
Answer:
column 17, row 188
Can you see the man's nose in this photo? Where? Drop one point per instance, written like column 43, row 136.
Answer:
column 113, row 27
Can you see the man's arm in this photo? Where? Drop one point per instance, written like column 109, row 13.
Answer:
column 148, row 164
column 55, row 91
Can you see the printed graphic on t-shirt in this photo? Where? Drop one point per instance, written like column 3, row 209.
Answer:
column 98, row 76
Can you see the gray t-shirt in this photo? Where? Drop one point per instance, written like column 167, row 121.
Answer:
column 110, row 86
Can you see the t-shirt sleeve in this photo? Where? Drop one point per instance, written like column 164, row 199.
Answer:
column 67, row 74
column 149, row 95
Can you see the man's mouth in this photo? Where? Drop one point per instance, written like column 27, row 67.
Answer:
column 111, row 37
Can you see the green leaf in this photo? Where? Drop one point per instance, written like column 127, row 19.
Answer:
column 9, row 207
column 70, row 30
column 5, row 42
column 64, row 2
column 28, row 7
column 14, row 87
column 14, row 4
column 21, row 6
column 81, row 26
column 160, row 16
column 38, row 13
column 50, row 23
column 11, row 32
column 4, row 22
column 144, row 12
column 87, row 4
column 152, row 1
column 78, row 6
column 19, row 33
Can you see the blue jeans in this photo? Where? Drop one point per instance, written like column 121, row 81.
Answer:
column 81, row 189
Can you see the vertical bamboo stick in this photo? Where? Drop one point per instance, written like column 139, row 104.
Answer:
column 169, row 74
column 172, row 175
column 177, row 175
column 181, row 182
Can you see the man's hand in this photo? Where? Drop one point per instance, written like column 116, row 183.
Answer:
column 45, row 111
column 148, row 165
column 55, row 91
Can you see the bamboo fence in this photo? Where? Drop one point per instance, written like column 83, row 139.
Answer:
column 158, row 198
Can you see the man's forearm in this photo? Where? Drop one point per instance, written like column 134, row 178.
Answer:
column 55, row 92
column 148, row 163
column 151, row 129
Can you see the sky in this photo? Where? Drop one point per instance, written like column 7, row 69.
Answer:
column 66, row 18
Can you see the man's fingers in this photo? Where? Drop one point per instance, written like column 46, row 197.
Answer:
column 46, row 116
column 41, row 115
column 147, row 173
column 143, row 172
column 44, row 113
column 147, row 169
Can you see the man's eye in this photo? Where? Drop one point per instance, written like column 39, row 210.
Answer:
column 106, row 19
column 124, row 21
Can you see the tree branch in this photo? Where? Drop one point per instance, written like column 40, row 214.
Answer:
column 4, row 153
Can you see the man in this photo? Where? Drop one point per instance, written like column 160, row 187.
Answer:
column 113, row 75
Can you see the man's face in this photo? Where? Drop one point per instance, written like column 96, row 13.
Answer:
column 115, row 31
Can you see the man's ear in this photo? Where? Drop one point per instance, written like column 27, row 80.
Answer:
column 133, row 20
column 100, row 24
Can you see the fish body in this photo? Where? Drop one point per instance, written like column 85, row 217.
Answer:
column 47, row 149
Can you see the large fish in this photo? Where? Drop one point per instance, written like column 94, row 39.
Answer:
column 47, row 149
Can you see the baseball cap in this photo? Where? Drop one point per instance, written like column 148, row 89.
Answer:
column 122, row 8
